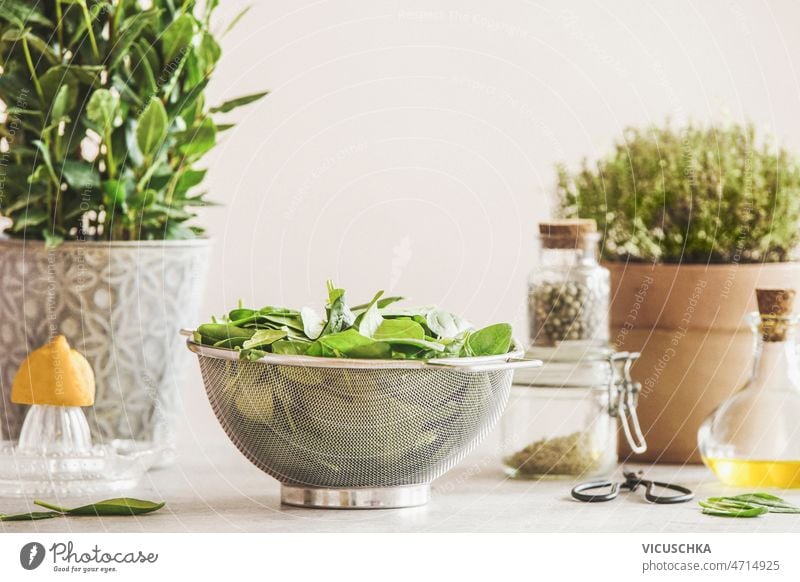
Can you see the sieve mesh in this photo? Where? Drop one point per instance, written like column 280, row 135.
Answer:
column 353, row 427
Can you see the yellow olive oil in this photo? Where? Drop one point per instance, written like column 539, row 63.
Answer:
column 748, row 473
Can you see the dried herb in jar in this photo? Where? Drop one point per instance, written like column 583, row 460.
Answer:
column 572, row 454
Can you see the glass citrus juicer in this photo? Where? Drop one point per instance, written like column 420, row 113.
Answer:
column 753, row 438
column 55, row 453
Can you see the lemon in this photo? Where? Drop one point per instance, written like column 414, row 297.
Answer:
column 54, row 374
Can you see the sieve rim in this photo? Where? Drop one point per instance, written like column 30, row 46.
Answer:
column 513, row 358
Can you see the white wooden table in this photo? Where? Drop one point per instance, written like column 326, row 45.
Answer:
column 214, row 489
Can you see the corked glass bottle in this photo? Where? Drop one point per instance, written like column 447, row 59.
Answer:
column 568, row 293
column 753, row 438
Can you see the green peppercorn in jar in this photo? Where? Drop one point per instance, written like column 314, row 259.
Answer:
column 569, row 292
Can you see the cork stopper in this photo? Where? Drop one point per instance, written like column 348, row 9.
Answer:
column 775, row 307
column 567, row 233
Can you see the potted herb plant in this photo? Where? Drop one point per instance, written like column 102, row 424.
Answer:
column 103, row 128
column 694, row 220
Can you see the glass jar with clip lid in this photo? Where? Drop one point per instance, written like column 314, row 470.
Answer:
column 752, row 439
column 561, row 419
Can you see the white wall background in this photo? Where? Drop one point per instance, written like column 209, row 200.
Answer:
column 410, row 146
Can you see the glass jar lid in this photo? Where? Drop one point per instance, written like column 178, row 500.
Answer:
column 574, row 366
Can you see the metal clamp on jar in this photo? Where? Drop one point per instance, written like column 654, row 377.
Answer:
column 561, row 419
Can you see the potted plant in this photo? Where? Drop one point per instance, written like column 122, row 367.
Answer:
column 104, row 124
column 694, row 220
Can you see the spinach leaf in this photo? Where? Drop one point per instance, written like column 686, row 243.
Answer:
column 276, row 321
column 212, row 333
column 352, row 344
column 399, row 328
column 418, row 343
column 230, row 343
column 339, row 315
column 377, row 329
column 290, row 347
column 385, row 302
column 489, row 341
column 252, row 355
column 373, row 351
column 263, row 338
column 241, row 315
column 247, row 317
column 371, row 319
column 271, row 310
column 407, row 311
column 313, row 324
column 445, row 325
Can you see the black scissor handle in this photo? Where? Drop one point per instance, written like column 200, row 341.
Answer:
column 685, row 493
column 632, row 482
column 579, row 492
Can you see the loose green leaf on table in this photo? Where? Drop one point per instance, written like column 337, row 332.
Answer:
column 108, row 507
column 724, row 509
column 746, row 505
column 31, row 516
column 116, row 506
column 773, row 503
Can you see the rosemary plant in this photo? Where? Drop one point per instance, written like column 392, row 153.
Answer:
column 697, row 195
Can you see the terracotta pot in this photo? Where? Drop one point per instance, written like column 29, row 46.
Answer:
column 688, row 321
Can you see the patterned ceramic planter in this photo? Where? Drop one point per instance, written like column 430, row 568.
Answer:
column 121, row 305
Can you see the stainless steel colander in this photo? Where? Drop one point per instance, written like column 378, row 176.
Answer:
column 355, row 433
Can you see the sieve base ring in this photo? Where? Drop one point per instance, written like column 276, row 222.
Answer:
column 356, row 498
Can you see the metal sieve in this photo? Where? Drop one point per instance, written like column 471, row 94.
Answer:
column 355, row 433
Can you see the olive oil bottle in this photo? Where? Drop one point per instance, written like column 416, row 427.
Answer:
column 753, row 438
column 747, row 473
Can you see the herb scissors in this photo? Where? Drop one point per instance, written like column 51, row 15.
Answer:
column 633, row 481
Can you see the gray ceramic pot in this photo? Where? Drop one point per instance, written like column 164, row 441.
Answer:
column 121, row 304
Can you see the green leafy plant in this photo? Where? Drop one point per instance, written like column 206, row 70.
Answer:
column 696, row 195
column 105, row 117
column 373, row 330
column 746, row 505
column 109, row 507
